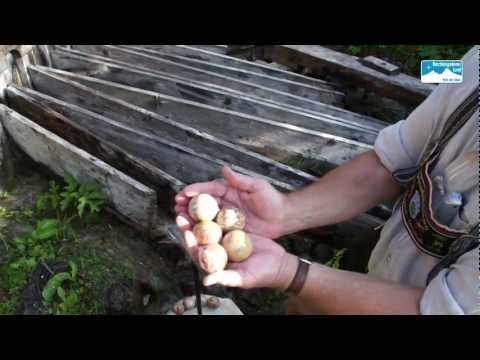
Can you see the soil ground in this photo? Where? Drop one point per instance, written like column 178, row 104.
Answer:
column 122, row 254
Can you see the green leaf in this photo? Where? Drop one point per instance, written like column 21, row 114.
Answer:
column 334, row 262
column 81, row 206
column 61, row 293
column 73, row 270
column 71, row 300
column 68, row 200
column 46, row 229
column 42, row 203
column 50, row 289
column 72, row 184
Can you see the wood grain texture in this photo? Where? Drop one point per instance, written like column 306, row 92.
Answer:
column 255, row 67
column 24, row 102
column 322, row 60
column 152, row 63
column 181, row 87
column 167, row 130
column 240, row 69
column 130, row 198
column 274, row 139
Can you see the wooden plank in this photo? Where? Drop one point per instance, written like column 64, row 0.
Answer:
column 130, row 198
column 380, row 65
column 77, row 61
column 152, row 63
column 167, row 130
column 324, row 93
column 219, row 49
column 356, row 126
column 276, row 140
column 190, row 166
column 259, row 66
column 3, row 151
column 278, row 174
column 322, row 60
column 240, row 65
column 186, row 165
column 179, row 162
column 163, row 183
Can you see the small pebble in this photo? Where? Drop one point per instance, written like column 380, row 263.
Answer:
column 189, row 303
column 179, row 309
column 213, row 302
column 146, row 299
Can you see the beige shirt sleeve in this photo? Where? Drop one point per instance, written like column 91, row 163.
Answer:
column 454, row 291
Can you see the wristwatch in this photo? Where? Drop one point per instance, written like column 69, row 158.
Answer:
column 300, row 277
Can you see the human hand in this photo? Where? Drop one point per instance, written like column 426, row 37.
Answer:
column 268, row 266
column 265, row 208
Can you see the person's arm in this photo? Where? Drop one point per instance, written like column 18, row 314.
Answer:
column 325, row 291
column 332, row 291
column 340, row 195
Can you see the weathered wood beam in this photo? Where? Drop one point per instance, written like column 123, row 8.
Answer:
column 339, row 121
column 133, row 200
column 256, row 67
column 181, row 162
column 178, row 162
column 166, row 129
column 219, row 49
column 274, row 139
column 322, row 60
column 152, row 63
column 38, row 111
column 238, row 68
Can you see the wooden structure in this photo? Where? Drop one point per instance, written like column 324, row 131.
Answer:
column 144, row 120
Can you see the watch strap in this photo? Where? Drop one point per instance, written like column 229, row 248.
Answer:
column 300, row 277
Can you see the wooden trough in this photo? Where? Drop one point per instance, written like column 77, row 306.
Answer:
column 275, row 139
column 212, row 57
column 143, row 121
column 243, row 80
column 190, row 89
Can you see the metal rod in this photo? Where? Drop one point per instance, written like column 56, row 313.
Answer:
column 196, row 277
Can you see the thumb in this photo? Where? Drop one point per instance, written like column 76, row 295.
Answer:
column 240, row 181
column 230, row 278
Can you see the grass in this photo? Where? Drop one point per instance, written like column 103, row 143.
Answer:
column 408, row 57
column 80, row 291
column 311, row 167
column 4, row 195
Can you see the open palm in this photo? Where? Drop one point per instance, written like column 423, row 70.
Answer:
column 263, row 206
column 261, row 269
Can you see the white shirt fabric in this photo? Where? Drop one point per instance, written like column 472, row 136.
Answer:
column 456, row 289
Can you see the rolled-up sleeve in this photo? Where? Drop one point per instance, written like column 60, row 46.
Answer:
column 400, row 145
column 454, row 291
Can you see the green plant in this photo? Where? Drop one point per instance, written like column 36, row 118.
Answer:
column 81, row 289
column 4, row 195
column 17, row 215
column 334, row 262
column 51, row 198
column 307, row 165
column 29, row 250
column 60, row 299
column 72, row 197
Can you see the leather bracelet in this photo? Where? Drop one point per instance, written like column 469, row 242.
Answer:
column 300, row 277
